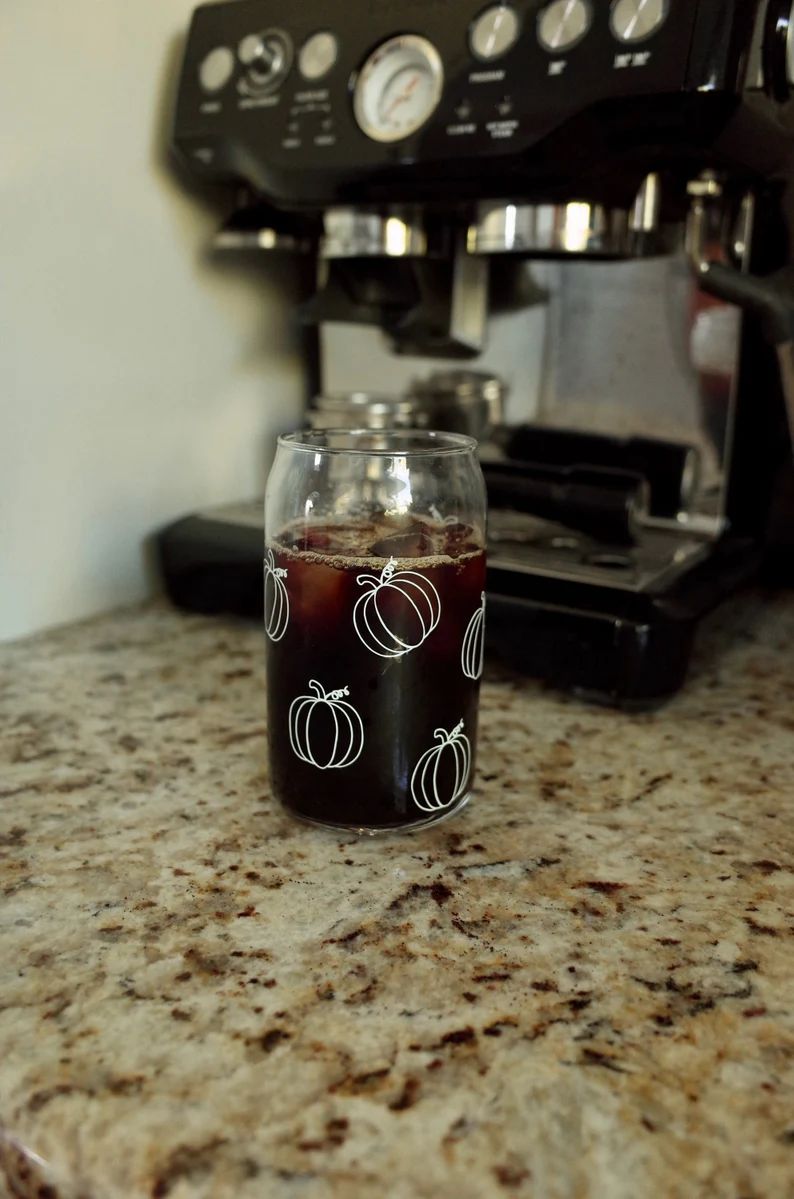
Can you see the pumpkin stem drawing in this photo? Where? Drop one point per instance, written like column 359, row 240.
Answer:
column 321, row 693
column 402, row 597
column 441, row 776
column 472, row 654
column 278, row 571
column 276, row 599
column 324, row 731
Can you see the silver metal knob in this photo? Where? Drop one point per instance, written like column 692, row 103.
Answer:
column 494, row 32
column 636, row 20
column 563, row 23
column 267, row 57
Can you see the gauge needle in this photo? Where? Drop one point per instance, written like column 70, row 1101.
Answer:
column 404, row 95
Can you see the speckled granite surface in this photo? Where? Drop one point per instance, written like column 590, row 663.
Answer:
column 583, row 987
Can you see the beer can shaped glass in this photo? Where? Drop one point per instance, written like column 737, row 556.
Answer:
column 374, row 583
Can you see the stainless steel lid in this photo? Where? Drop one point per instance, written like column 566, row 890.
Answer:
column 457, row 401
column 460, row 385
column 362, row 409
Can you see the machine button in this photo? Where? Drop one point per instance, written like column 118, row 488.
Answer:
column 563, row 24
column 267, row 57
column 494, row 32
column 318, row 55
column 636, row 20
column 216, row 69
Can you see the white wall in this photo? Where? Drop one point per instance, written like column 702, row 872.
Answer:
column 137, row 380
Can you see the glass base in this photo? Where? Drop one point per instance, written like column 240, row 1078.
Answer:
column 413, row 827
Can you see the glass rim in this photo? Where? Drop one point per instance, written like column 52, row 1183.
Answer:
column 439, row 443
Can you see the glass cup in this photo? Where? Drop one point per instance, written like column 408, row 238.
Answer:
column 374, row 613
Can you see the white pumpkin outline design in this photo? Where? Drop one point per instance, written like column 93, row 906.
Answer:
column 417, row 591
column 472, row 653
column 277, row 610
column 299, row 723
column 424, row 779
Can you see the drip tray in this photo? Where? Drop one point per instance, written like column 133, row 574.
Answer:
column 517, row 542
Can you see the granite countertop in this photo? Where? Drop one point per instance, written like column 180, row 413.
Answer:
column 582, row 987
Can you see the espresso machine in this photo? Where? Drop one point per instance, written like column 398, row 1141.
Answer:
column 581, row 199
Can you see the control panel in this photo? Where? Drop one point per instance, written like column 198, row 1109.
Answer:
column 310, row 103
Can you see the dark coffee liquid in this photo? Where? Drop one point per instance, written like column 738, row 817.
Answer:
column 374, row 657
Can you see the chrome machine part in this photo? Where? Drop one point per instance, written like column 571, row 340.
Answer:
column 719, row 234
column 473, row 401
column 644, row 216
column 494, row 32
column 463, row 385
column 362, row 410
column 398, row 88
column 575, row 229
column 718, row 224
column 706, row 219
column 267, row 58
column 235, row 236
column 522, row 543
column 468, row 316
column 635, row 20
column 646, row 237
column 456, row 401
column 364, row 233
column 563, row 23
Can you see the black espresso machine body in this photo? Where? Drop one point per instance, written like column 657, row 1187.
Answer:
column 454, row 134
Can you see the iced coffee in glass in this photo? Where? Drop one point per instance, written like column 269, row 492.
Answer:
column 375, row 620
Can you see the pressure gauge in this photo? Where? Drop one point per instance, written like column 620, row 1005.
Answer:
column 398, row 88
column 563, row 23
column 636, row 20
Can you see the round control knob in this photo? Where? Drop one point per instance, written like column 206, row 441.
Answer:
column 267, row 57
column 216, row 69
column 318, row 55
column 636, row 20
column 494, row 32
column 564, row 23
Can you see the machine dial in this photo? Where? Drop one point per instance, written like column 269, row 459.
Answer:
column 398, row 88
column 267, row 58
column 494, row 32
column 564, row 23
column 636, row 20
